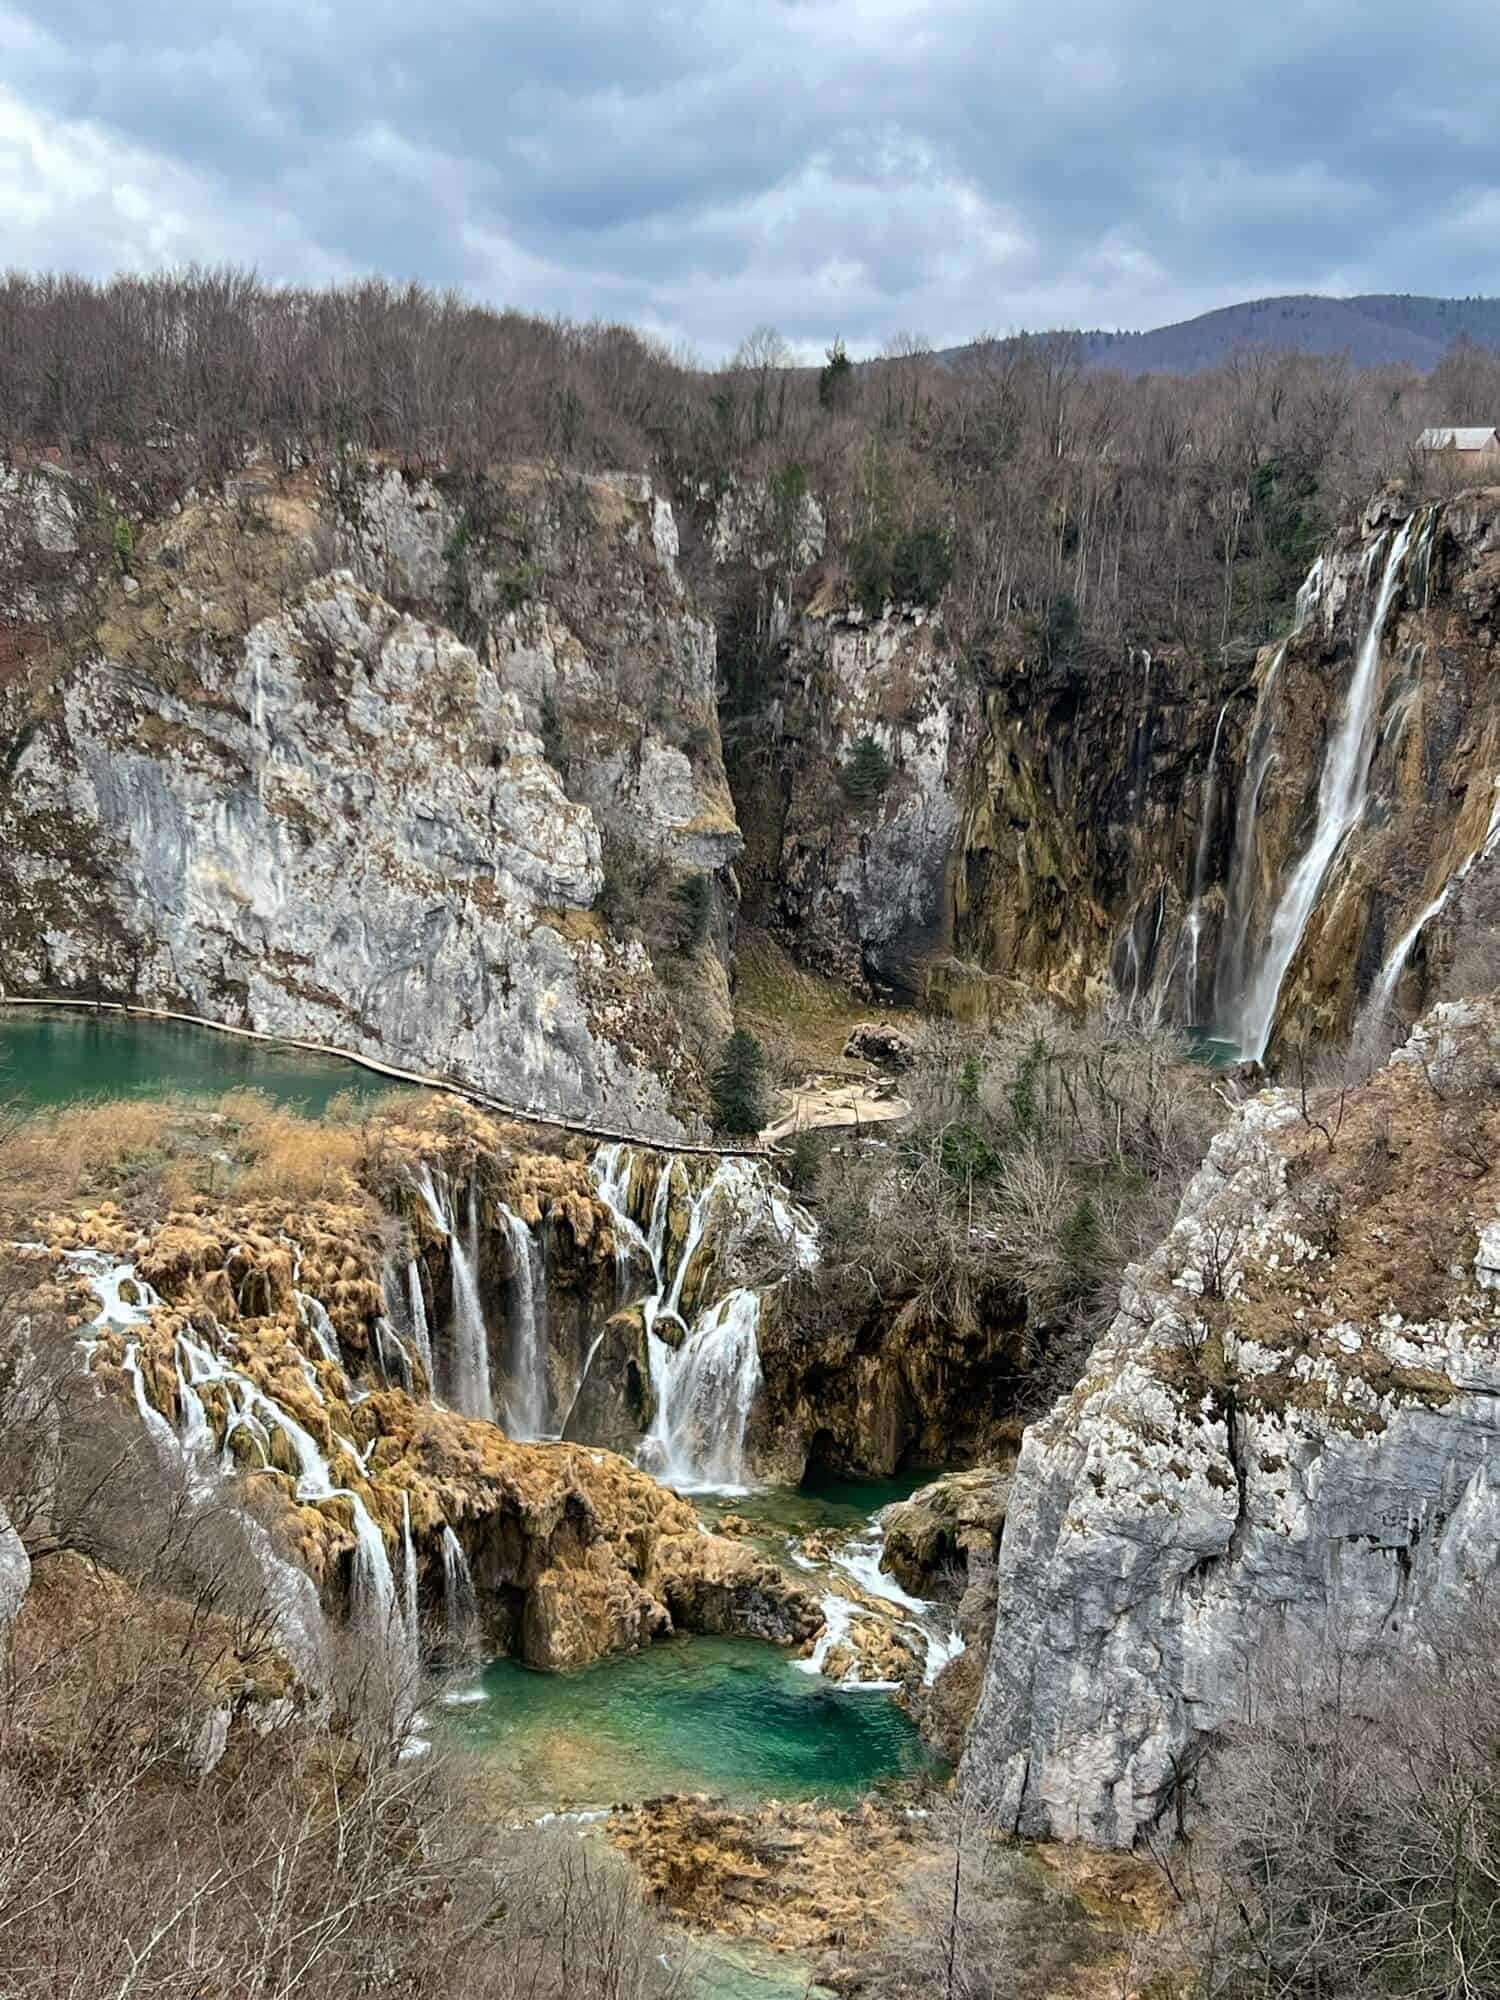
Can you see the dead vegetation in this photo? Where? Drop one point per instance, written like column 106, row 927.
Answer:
column 1041, row 1158
column 1351, row 1842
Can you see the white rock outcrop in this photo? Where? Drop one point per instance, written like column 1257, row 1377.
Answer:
column 1264, row 1451
column 343, row 832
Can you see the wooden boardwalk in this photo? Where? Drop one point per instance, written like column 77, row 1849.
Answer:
column 454, row 1087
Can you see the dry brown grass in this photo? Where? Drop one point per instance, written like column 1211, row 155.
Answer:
column 801, row 1020
column 153, row 1154
column 56, row 1156
column 297, row 1160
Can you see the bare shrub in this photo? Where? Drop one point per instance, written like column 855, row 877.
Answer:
column 983, row 1920
column 1352, row 1840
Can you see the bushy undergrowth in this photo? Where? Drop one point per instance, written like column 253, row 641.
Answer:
column 1351, row 1842
column 1042, row 1156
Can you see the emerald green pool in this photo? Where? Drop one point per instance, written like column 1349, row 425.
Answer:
column 64, row 1058
column 730, row 1716
column 821, row 1502
column 1215, row 1050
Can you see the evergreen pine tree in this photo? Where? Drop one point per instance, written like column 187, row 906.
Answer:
column 739, row 1085
column 868, row 770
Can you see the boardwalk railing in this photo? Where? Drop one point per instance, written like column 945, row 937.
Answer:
column 454, row 1087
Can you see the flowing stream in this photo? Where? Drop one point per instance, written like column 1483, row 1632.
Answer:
column 705, row 1377
column 1342, row 792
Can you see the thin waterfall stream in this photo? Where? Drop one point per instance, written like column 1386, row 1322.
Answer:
column 1342, row 792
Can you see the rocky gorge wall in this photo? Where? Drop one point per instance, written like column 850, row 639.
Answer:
column 1283, row 1443
column 413, row 763
column 1252, row 853
column 1231, row 844
column 339, row 753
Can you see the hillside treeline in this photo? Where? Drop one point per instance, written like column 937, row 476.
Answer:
column 1072, row 508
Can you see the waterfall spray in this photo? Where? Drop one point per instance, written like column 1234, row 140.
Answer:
column 1342, row 793
column 460, row 1601
column 1193, row 924
column 706, row 1386
column 526, row 1407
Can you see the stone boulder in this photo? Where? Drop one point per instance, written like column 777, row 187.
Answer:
column 882, row 1044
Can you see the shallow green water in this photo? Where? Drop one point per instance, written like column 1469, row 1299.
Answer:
column 721, row 1971
column 1213, row 1049
column 731, row 1716
column 822, row 1502
column 51, row 1059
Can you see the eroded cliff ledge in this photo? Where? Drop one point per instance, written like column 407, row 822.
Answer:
column 351, row 754
column 1285, row 1438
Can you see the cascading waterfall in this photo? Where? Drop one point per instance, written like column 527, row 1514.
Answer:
column 705, row 1391
column 373, row 1599
column 469, row 1389
column 1383, row 991
column 611, row 1174
column 417, row 1308
column 526, row 1409
column 706, row 1385
column 1193, row 923
column 1234, row 956
column 300, row 1624
column 460, row 1601
column 1342, row 793
column 859, row 1560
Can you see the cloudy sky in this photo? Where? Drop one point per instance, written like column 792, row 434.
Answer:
column 854, row 167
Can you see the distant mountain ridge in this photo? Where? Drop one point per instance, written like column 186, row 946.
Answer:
column 1376, row 329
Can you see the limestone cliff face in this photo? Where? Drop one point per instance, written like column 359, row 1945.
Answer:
column 1080, row 821
column 325, row 754
column 1152, row 825
column 1285, row 1439
column 858, row 886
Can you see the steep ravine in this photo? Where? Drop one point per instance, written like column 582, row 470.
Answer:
column 1236, row 846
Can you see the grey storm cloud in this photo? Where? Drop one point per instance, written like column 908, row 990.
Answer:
column 856, row 168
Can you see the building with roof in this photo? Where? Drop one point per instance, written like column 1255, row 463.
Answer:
column 1483, row 442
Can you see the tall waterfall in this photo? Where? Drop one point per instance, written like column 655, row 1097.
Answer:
column 1342, row 792
column 417, row 1307
column 1232, row 969
column 1193, row 923
column 528, row 1405
column 460, row 1600
column 706, row 1381
column 469, row 1372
